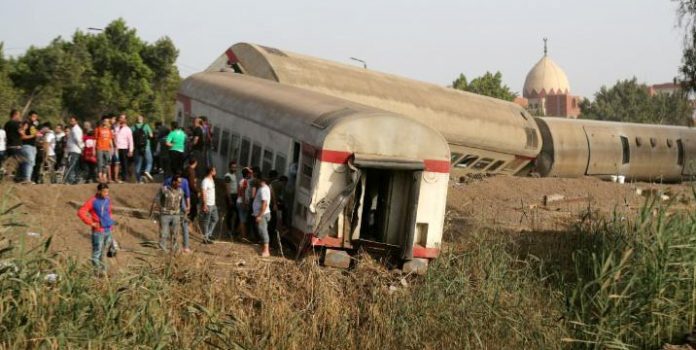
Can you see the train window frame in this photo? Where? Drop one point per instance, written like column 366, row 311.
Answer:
column 216, row 139
column 233, row 154
column 306, row 171
column 224, row 149
column 639, row 141
column 454, row 156
column 670, row 143
column 496, row 165
column 626, row 150
column 266, row 161
column 281, row 163
column 482, row 164
column 466, row 161
column 256, row 152
column 653, row 142
column 680, row 152
column 244, row 153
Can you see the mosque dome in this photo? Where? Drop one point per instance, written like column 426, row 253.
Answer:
column 545, row 78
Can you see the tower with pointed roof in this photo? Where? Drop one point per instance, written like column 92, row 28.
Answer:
column 546, row 90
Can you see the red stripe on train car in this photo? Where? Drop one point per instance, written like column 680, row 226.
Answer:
column 423, row 252
column 231, row 57
column 341, row 157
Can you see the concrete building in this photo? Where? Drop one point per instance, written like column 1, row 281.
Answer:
column 546, row 90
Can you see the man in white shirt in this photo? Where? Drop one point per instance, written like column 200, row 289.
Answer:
column 3, row 148
column 262, row 213
column 209, row 212
column 49, row 143
column 74, row 148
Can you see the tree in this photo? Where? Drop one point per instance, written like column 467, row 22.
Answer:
column 8, row 93
column 686, row 12
column 488, row 84
column 94, row 74
column 629, row 101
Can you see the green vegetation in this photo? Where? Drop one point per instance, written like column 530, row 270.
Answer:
column 488, row 84
column 630, row 101
column 92, row 74
column 619, row 283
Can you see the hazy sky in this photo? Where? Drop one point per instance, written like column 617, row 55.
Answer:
column 595, row 42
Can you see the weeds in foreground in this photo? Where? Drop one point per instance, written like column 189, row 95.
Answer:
column 632, row 285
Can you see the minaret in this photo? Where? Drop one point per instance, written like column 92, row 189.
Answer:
column 545, row 48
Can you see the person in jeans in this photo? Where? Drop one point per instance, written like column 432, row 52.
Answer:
column 96, row 212
column 209, row 212
column 185, row 207
column 105, row 143
column 123, row 136
column 231, row 187
column 14, row 154
column 29, row 133
column 74, row 148
column 262, row 213
column 170, row 198
column 142, row 133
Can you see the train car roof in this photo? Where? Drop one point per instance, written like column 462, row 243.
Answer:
column 308, row 114
column 463, row 118
column 614, row 124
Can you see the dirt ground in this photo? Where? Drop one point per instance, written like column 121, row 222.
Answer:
column 510, row 203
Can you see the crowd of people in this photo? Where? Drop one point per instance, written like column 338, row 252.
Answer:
column 113, row 150
column 110, row 149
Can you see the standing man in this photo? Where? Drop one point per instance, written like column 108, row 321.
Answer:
column 185, row 208
column 209, row 212
column 176, row 141
column 198, row 146
column 74, row 148
column 193, row 186
column 60, row 145
column 49, row 150
column 262, row 213
column 29, row 135
column 231, row 198
column 242, row 203
column 96, row 212
column 169, row 198
column 124, row 144
column 14, row 145
column 142, row 133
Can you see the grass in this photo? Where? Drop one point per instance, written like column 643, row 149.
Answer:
column 617, row 283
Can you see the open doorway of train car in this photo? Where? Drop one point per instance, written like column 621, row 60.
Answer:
column 386, row 201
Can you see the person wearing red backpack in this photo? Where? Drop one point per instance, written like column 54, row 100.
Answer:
column 89, row 156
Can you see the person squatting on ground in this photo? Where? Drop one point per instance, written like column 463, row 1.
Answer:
column 96, row 212
column 169, row 198
column 231, row 188
column 262, row 213
column 209, row 212
column 185, row 208
column 142, row 133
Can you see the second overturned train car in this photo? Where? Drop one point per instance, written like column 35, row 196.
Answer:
column 486, row 135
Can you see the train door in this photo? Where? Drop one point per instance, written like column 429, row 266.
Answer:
column 686, row 155
column 388, row 209
column 606, row 152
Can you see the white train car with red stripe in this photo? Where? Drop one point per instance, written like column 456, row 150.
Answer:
column 359, row 176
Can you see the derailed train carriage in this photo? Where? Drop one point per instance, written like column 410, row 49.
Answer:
column 360, row 176
column 486, row 135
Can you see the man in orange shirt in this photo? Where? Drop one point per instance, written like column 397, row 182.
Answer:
column 105, row 143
